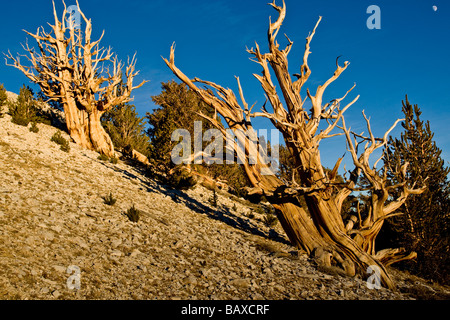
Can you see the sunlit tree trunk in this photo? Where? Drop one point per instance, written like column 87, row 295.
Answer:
column 70, row 69
column 318, row 229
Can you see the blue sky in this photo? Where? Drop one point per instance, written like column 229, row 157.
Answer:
column 410, row 54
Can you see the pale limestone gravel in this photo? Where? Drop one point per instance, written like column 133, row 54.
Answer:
column 52, row 216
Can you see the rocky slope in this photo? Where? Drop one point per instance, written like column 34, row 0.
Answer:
column 52, row 217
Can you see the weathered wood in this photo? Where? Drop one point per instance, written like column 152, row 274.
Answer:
column 69, row 68
column 318, row 229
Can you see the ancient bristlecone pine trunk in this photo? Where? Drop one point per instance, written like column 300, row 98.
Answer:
column 320, row 229
column 73, row 70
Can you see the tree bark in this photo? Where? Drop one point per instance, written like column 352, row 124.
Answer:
column 318, row 229
column 76, row 121
column 101, row 141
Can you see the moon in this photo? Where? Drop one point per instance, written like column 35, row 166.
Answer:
column 435, row 8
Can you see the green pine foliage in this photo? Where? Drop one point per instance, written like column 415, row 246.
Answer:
column 179, row 108
column 105, row 158
column 126, row 129
column 181, row 179
column 270, row 220
column 3, row 99
column 23, row 110
column 214, row 199
column 109, row 199
column 3, row 95
column 424, row 225
column 133, row 214
column 59, row 139
column 233, row 174
column 34, row 128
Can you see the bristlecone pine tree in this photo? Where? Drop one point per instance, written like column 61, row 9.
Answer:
column 126, row 129
column 23, row 110
column 3, row 99
column 321, row 230
column 179, row 108
column 70, row 68
column 424, row 226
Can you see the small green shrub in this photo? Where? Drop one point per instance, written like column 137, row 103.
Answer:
column 181, row 179
column 20, row 120
column 260, row 210
column 58, row 139
column 3, row 99
column 34, row 128
column 65, row 147
column 3, row 96
column 213, row 200
column 105, row 158
column 270, row 220
column 109, row 199
column 133, row 214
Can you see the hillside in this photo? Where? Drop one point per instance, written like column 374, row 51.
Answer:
column 52, row 216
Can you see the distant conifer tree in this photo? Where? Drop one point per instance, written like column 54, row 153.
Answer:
column 424, row 225
column 126, row 129
column 23, row 110
column 179, row 108
column 3, row 98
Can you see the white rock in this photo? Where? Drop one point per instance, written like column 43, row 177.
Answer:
column 175, row 250
column 56, row 294
column 135, row 253
column 60, row 269
column 190, row 280
column 116, row 253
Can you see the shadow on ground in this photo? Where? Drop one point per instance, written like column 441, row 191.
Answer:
column 221, row 213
